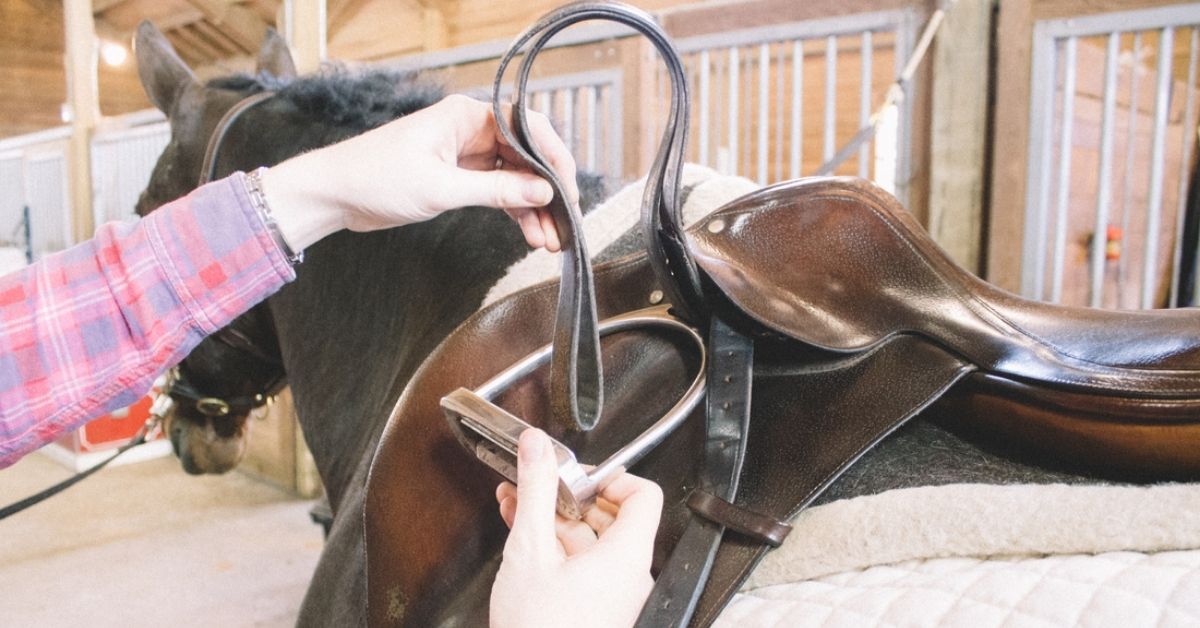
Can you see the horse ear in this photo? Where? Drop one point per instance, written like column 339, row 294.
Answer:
column 274, row 58
column 162, row 72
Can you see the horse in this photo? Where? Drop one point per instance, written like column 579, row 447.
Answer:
column 366, row 309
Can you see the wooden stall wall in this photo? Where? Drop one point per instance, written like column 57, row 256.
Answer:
column 1015, row 24
column 1130, row 194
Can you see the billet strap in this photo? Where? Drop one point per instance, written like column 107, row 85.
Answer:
column 576, row 377
column 208, row 168
column 681, row 581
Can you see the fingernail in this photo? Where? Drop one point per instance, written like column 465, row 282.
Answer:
column 531, row 445
column 538, row 193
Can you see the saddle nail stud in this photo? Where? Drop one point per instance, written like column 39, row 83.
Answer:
column 656, row 297
column 716, row 226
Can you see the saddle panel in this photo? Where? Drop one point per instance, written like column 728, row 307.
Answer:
column 1114, row 437
column 838, row 263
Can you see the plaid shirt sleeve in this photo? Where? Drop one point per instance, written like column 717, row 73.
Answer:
column 87, row 330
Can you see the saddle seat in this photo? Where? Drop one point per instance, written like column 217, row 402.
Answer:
column 861, row 323
column 838, row 264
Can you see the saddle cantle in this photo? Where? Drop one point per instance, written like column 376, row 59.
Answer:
column 843, row 320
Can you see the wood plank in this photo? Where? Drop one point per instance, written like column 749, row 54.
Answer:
column 306, row 35
column 197, row 50
column 84, row 98
column 341, row 12
column 242, row 25
column 959, row 134
column 1006, row 222
column 218, row 39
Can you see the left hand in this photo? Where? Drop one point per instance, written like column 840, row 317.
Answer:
column 558, row 572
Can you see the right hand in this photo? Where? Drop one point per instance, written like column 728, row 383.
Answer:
column 558, row 572
column 448, row 155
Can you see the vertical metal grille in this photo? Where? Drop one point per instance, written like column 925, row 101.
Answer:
column 775, row 103
column 46, row 193
column 122, row 162
column 585, row 109
column 1113, row 126
column 12, row 200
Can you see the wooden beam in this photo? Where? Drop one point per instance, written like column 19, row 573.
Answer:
column 434, row 33
column 242, row 25
column 100, row 6
column 199, row 49
column 218, row 39
column 107, row 31
column 1010, row 143
column 959, row 133
column 83, row 95
column 306, row 33
column 341, row 12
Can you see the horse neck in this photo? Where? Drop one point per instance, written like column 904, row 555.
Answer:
column 365, row 311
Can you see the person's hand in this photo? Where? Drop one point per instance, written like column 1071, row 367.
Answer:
column 445, row 156
column 557, row 572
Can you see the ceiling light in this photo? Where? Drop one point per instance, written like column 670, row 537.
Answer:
column 113, row 54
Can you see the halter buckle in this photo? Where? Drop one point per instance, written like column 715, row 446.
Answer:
column 212, row 406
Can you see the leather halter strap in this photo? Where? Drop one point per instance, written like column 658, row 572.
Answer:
column 208, row 168
column 180, row 389
column 576, row 381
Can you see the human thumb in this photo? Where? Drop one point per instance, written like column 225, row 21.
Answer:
column 502, row 189
column 537, row 490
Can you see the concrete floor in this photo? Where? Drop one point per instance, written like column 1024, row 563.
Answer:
column 148, row 545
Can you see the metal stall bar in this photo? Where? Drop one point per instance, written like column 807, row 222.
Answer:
column 1104, row 191
column 797, row 107
column 1189, row 140
column 734, row 79
column 764, row 97
column 568, row 120
column 705, row 70
column 591, row 133
column 831, row 52
column 780, row 81
column 1127, row 178
column 865, row 104
column 1045, row 69
column 1162, row 101
column 1064, row 168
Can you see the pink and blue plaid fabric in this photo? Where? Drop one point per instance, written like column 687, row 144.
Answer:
column 87, row 330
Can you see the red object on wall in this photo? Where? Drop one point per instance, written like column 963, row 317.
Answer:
column 109, row 431
column 1112, row 246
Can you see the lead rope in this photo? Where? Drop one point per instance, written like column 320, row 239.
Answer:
column 158, row 409
column 894, row 96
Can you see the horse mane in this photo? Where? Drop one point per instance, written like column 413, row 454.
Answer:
column 355, row 101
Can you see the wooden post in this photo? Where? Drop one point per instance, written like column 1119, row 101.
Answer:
column 83, row 100
column 305, row 32
column 959, row 135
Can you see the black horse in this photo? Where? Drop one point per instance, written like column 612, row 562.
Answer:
column 365, row 309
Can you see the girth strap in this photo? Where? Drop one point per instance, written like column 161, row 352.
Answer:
column 679, row 584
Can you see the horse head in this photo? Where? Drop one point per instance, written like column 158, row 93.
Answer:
column 229, row 374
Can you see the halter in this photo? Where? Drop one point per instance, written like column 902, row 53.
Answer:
column 179, row 389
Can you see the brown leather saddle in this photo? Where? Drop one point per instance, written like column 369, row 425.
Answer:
column 831, row 319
